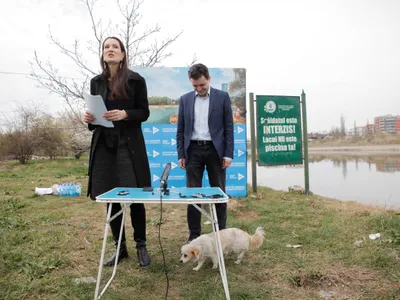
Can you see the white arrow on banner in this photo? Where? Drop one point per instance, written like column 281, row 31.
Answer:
column 240, row 176
column 240, row 153
column 240, row 129
column 155, row 177
column 155, row 130
column 155, row 153
column 173, row 142
column 173, row 165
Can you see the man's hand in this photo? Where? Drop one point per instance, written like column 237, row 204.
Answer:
column 115, row 115
column 226, row 163
column 182, row 163
column 88, row 117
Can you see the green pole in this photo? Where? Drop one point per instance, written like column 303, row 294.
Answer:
column 305, row 143
column 253, row 144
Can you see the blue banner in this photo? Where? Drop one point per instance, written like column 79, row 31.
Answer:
column 165, row 86
column 160, row 142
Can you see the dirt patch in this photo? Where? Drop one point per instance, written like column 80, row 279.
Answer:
column 241, row 211
column 250, row 215
column 235, row 206
column 338, row 282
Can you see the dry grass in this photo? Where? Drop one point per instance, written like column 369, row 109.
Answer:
column 377, row 139
column 49, row 241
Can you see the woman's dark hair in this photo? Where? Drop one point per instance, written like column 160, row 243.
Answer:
column 198, row 70
column 119, row 81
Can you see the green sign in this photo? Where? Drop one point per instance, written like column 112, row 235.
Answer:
column 279, row 130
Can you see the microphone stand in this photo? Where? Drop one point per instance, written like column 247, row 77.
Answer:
column 163, row 182
column 164, row 187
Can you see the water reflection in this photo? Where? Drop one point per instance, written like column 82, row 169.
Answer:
column 366, row 179
column 389, row 164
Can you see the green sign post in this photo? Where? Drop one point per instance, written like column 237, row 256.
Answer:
column 279, row 130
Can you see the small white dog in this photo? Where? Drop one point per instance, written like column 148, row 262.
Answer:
column 232, row 240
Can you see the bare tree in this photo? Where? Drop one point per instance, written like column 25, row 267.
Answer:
column 3, row 146
column 355, row 128
column 76, row 139
column 194, row 60
column 335, row 131
column 140, row 52
column 342, row 126
column 21, row 140
column 50, row 137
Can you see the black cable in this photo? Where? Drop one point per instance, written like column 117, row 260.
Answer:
column 162, row 250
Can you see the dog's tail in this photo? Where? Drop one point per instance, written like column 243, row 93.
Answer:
column 257, row 238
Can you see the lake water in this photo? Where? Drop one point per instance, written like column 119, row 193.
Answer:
column 372, row 180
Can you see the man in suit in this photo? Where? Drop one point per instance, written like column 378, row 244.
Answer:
column 204, row 140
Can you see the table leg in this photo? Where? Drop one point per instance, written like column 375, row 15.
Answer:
column 220, row 254
column 97, row 296
column 103, row 250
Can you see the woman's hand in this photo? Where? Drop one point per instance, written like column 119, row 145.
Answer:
column 88, row 117
column 115, row 115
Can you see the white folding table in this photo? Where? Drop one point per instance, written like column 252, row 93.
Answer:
column 194, row 196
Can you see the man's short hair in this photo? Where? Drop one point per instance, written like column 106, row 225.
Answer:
column 198, row 70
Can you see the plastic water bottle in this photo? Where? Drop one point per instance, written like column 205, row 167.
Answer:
column 78, row 189
column 56, row 189
column 63, row 190
column 69, row 189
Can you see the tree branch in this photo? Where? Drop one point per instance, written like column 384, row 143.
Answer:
column 158, row 53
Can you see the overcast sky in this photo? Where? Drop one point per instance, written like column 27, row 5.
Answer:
column 345, row 54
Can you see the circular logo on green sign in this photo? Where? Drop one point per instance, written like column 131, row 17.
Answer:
column 270, row 107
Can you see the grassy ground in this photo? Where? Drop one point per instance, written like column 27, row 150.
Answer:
column 48, row 241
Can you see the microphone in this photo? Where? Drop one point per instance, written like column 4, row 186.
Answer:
column 165, row 175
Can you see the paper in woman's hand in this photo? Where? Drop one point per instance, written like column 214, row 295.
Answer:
column 96, row 106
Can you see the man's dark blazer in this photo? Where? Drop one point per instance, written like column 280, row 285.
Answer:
column 220, row 123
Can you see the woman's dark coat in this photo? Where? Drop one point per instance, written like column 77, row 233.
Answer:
column 137, row 108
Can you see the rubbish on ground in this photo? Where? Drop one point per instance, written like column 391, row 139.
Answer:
column 257, row 196
column 294, row 246
column 325, row 294
column 63, row 189
column 43, row 191
column 358, row 243
column 56, row 189
column 374, row 236
column 84, row 280
column 207, row 223
column 69, row 189
column 296, row 189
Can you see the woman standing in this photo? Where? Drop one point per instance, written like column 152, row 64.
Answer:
column 118, row 156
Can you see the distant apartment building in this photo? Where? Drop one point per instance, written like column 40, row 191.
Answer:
column 356, row 131
column 369, row 129
column 398, row 125
column 388, row 123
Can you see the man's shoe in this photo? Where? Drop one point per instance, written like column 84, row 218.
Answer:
column 143, row 256
column 123, row 253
